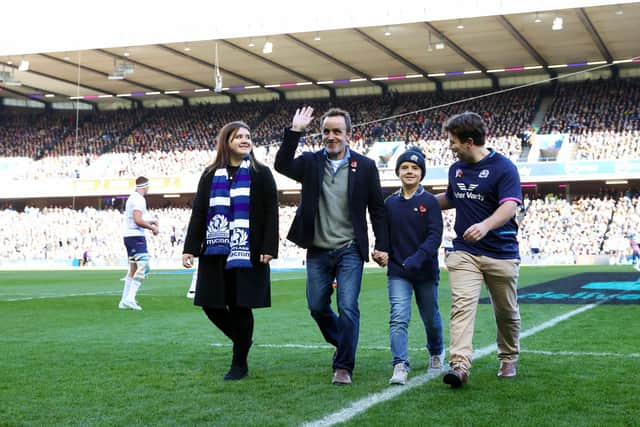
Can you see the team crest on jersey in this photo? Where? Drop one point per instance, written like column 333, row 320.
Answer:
column 459, row 173
column 484, row 173
column 239, row 238
column 462, row 186
column 218, row 229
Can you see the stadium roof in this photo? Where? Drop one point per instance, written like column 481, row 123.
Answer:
column 407, row 45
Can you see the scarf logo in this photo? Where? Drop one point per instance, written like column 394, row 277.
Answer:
column 239, row 238
column 217, row 230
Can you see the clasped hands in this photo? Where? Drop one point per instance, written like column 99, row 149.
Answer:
column 380, row 257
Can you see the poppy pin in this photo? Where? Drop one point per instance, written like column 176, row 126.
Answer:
column 422, row 209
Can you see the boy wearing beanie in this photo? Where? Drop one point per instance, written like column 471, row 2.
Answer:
column 415, row 233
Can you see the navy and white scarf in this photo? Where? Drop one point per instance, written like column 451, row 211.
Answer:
column 228, row 217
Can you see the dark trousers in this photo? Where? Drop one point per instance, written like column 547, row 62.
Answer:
column 235, row 322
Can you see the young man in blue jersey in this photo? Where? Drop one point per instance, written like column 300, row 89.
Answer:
column 484, row 189
column 415, row 233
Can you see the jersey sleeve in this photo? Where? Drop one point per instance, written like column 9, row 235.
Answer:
column 509, row 185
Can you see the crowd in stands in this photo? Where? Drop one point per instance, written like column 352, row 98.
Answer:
column 594, row 106
column 603, row 118
column 561, row 231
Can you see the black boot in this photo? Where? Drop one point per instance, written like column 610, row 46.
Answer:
column 236, row 373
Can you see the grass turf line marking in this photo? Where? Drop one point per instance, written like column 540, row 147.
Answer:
column 581, row 353
column 62, row 296
column 389, row 393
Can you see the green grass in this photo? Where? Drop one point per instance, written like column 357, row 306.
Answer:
column 78, row 360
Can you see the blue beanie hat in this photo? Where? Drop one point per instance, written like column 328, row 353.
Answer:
column 413, row 155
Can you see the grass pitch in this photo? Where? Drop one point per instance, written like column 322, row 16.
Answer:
column 70, row 357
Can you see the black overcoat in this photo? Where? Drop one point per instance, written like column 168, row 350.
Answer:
column 253, row 285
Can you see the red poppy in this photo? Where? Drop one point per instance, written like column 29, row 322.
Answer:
column 422, row 209
column 354, row 164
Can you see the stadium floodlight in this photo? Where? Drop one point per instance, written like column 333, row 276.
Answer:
column 619, row 11
column 460, row 26
column 439, row 46
column 24, row 65
column 537, row 19
column 557, row 24
column 317, row 36
column 6, row 77
column 251, row 43
column 267, row 48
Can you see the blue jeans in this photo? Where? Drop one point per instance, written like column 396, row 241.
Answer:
column 341, row 330
column 400, row 291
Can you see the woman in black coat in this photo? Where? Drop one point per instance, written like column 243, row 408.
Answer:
column 234, row 231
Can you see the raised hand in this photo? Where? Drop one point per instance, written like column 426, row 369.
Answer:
column 301, row 119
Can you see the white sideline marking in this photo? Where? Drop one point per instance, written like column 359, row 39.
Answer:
column 581, row 353
column 386, row 348
column 367, row 402
column 63, row 296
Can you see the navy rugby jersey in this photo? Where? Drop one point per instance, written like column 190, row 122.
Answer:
column 476, row 190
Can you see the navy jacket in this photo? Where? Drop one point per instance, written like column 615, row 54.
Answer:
column 364, row 192
column 415, row 227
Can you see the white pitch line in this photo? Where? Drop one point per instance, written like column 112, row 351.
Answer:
column 582, row 353
column 389, row 393
column 61, row 296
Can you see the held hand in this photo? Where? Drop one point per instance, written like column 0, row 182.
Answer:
column 187, row 260
column 301, row 119
column 154, row 229
column 476, row 232
column 265, row 258
column 415, row 261
column 380, row 257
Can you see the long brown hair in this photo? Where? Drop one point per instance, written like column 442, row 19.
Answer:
column 223, row 151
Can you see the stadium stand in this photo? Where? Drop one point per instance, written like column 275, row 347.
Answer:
column 601, row 118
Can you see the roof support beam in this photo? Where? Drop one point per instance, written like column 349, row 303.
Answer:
column 399, row 58
column 336, row 61
column 223, row 70
column 457, row 49
column 588, row 25
column 270, row 62
column 101, row 73
column 22, row 95
column 526, row 45
column 157, row 70
column 71, row 82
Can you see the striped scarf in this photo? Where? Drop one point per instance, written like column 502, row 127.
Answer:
column 228, row 217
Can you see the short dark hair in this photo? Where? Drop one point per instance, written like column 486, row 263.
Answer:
column 333, row 112
column 141, row 180
column 467, row 125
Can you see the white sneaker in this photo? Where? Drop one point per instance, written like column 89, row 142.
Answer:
column 191, row 294
column 122, row 306
column 400, row 374
column 131, row 304
column 436, row 363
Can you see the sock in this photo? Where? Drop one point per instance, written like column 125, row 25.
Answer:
column 194, row 280
column 133, row 290
column 126, row 289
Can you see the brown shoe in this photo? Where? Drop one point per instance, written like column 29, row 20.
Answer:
column 508, row 369
column 456, row 377
column 341, row 377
